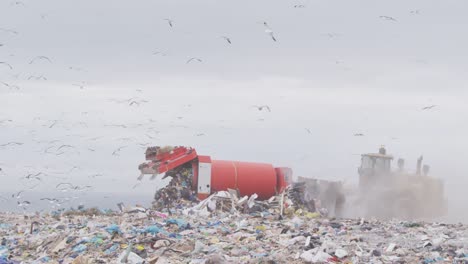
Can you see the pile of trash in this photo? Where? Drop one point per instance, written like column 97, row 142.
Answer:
column 224, row 228
column 178, row 191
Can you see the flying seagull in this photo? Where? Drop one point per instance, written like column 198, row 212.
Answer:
column 53, row 124
column 331, row 35
column 23, row 203
column 81, row 85
column 308, row 131
column 51, row 200
column 135, row 102
column 78, row 188
column 389, row 18
column 17, row 3
column 193, row 59
column 261, row 107
column 169, row 21
column 160, row 52
column 9, row 31
column 227, row 39
column 6, row 120
column 65, row 146
column 17, row 195
column 6, row 64
column 11, row 86
column 428, row 107
column 64, row 183
column 11, row 143
column 115, row 153
column 40, row 58
column 37, row 78
column 269, row 31
column 34, row 176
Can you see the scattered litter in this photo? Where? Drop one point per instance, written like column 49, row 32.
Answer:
column 223, row 228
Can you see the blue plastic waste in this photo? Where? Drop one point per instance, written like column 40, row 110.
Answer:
column 4, row 260
column 211, row 224
column 45, row 259
column 97, row 240
column 433, row 260
column 80, row 248
column 179, row 222
column 3, row 252
column 111, row 249
column 174, row 235
column 153, row 230
column 113, row 229
column 259, row 255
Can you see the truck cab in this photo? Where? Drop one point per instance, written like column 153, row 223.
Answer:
column 374, row 166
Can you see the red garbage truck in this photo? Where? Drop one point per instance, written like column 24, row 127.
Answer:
column 210, row 175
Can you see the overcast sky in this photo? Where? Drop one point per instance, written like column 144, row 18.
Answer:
column 337, row 68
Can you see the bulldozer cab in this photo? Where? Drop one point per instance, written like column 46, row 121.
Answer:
column 374, row 166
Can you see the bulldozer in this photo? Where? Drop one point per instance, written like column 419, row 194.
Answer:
column 385, row 194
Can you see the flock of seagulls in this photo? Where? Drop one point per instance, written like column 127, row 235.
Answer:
column 228, row 40
column 55, row 147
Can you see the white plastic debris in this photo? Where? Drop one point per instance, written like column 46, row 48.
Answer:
column 251, row 201
column 427, row 244
column 60, row 246
column 296, row 222
column 390, row 247
column 242, row 224
column 211, row 205
column 321, row 257
column 309, row 255
column 315, row 256
column 437, row 241
column 131, row 259
column 242, row 200
column 391, row 258
column 294, row 240
column 341, row 253
column 199, row 246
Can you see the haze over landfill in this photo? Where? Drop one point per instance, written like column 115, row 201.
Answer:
column 86, row 86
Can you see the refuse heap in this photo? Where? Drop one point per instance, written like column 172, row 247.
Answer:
column 179, row 190
column 224, row 228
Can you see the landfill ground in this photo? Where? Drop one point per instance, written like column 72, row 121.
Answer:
column 196, row 235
